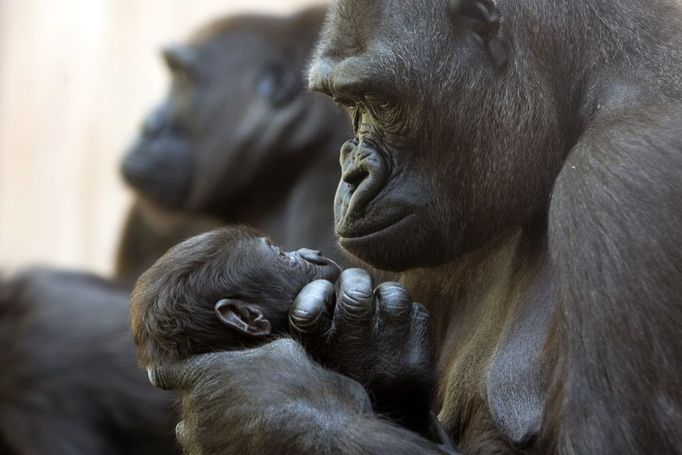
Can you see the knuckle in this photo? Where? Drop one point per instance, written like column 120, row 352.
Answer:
column 180, row 431
column 392, row 288
column 420, row 315
column 183, row 435
column 358, row 281
column 393, row 300
column 162, row 378
column 305, row 317
column 356, row 297
column 316, row 291
column 154, row 377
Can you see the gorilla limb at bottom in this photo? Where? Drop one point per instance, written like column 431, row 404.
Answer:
column 280, row 392
column 69, row 382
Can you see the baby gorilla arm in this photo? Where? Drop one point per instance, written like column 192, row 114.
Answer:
column 274, row 399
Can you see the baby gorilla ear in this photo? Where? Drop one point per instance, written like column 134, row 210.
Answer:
column 245, row 318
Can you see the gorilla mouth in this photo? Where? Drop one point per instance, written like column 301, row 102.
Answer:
column 366, row 232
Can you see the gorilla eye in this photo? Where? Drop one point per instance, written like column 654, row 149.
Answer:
column 278, row 85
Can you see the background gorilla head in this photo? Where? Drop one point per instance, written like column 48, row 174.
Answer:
column 236, row 116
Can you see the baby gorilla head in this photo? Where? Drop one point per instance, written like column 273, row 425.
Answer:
column 224, row 289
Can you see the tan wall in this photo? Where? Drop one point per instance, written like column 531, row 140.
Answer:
column 76, row 78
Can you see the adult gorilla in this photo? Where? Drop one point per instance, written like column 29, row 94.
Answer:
column 521, row 164
column 237, row 139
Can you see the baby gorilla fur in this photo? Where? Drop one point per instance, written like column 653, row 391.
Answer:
column 226, row 289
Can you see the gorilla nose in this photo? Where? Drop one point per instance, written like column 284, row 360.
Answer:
column 356, row 164
column 354, row 177
column 152, row 126
column 156, row 123
column 364, row 173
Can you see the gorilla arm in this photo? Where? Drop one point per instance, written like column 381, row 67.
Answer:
column 273, row 400
column 614, row 236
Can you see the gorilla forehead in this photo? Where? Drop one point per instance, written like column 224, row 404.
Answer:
column 379, row 47
column 355, row 22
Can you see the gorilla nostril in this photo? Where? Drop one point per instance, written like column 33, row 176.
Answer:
column 354, row 177
column 348, row 148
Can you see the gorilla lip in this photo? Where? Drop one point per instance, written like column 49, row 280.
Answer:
column 349, row 236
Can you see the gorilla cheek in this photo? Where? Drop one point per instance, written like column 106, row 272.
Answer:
column 160, row 170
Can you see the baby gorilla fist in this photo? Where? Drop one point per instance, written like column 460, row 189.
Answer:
column 378, row 337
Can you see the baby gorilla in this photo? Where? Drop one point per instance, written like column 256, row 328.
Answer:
column 225, row 289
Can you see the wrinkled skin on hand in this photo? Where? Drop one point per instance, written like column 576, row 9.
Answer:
column 260, row 398
column 378, row 337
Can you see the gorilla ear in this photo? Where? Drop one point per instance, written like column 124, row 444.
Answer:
column 181, row 60
column 243, row 317
column 484, row 19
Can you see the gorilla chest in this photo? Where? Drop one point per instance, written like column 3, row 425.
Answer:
column 495, row 386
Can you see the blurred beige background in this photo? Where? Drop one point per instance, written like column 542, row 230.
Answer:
column 76, row 78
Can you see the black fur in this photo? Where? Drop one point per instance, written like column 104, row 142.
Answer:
column 174, row 309
column 237, row 139
column 69, row 383
column 521, row 164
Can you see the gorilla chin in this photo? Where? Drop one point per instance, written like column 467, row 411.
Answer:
column 384, row 247
column 160, row 171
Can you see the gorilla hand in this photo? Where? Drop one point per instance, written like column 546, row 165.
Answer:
column 377, row 337
column 267, row 400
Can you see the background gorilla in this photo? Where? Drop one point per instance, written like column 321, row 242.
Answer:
column 521, row 164
column 69, row 381
column 237, row 139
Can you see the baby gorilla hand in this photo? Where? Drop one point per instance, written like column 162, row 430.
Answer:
column 378, row 337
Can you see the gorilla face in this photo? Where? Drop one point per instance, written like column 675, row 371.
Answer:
column 236, row 112
column 160, row 165
column 447, row 151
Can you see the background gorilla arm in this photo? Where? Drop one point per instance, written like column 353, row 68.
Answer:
column 274, row 399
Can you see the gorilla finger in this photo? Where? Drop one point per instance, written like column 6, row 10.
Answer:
column 421, row 335
column 393, row 306
column 183, row 374
column 165, row 377
column 309, row 316
column 181, row 433
column 354, row 295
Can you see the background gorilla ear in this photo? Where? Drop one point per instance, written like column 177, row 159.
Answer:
column 484, row 19
column 279, row 84
column 181, row 61
column 245, row 318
